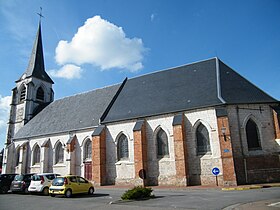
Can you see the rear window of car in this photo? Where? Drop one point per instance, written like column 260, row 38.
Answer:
column 58, row 181
column 18, row 178
column 36, row 178
column 27, row 177
column 51, row 176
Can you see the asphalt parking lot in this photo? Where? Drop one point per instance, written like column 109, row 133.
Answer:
column 164, row 199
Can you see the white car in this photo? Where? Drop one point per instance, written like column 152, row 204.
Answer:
column 40, row 183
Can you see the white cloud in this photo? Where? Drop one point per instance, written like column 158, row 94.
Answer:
column 103, row 44
column 4, row 111
column 68, row 71
column 152, row 17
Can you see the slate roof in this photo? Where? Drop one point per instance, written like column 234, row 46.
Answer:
column 36, row 66
column 235, row 89
column 70, row 113
column 202, row 84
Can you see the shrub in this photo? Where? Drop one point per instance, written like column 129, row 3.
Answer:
column 137, row 193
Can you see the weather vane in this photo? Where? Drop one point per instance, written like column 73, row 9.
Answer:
column 40, row 14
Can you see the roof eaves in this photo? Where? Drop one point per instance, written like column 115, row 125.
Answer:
column 160, row 113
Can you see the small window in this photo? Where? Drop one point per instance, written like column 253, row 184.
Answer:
column 202, row 139
column 22, row 94
column 59, row 154
column 40, row 94
column 253, row 137
column 122, row 148
column 162, row 144
column 17, row 156
column 36, row 155
column 88, row 149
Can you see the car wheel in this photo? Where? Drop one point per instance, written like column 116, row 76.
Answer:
column 46, row 191
column 52, row 195
column 4, row 189
column 26, row 190
column 91, row 191
column 68, row 193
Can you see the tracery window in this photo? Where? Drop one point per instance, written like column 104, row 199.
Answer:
column 122, row 148
column 59, row 153
column 253, row 137
column 202, row 140
column 36, row 155
column 162, row 144
column 88, row 149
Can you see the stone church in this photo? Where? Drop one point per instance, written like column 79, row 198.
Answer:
column 170, row 127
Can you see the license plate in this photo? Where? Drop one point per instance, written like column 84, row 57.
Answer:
column 16, row 185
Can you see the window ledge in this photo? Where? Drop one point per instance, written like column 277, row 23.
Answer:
column 164, row 158
column 87, row 160
column 35, row 166
column 204, row 154
column 126, row 162
column 59, row 165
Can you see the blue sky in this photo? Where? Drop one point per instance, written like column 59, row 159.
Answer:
column 132, row 38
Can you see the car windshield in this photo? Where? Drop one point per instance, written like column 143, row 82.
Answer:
column 36, row 178
column 18, row 177
column 58, row 181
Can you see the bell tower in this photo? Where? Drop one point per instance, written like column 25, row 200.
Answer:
column 33, row 91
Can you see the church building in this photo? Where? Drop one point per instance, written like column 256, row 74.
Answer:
column 167, row 128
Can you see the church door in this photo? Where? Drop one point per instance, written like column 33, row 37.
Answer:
column 88, row 170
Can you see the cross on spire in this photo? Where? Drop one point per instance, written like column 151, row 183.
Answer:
column 40, row 14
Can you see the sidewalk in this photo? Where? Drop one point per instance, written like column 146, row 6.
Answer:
column 240, row 187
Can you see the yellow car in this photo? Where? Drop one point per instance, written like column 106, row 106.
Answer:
column 71, row 184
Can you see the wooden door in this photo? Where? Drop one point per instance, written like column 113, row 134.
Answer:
column 88, row 170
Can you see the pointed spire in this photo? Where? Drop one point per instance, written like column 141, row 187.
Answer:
column 36, row 66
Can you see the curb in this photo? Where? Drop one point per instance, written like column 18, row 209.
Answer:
column 251, row 187
column 242, row 188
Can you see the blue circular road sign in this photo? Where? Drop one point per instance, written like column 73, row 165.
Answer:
column 215, row 171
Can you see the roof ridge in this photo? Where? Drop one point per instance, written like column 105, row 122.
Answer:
column 172, row 68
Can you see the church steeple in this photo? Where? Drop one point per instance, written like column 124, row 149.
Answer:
column 36, row 66
column 33, row 91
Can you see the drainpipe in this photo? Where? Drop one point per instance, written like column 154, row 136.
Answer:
column 241, row 145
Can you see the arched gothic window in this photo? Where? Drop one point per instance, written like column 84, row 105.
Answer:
column 36, row 155
column 202, row 140
column 40, row 95
column 59, row 154
column 252, row 134
column 162, row 144
column 88, row 149
column 22, row 93
column 122, row 148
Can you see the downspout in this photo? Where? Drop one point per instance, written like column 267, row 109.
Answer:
column 241, row 145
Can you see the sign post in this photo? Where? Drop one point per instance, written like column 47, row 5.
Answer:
column 215, row 172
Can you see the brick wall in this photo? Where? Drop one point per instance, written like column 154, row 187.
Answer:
column 260, row 165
